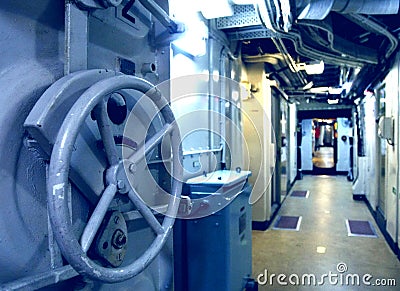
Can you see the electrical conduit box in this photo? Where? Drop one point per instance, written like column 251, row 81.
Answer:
column 386, row 128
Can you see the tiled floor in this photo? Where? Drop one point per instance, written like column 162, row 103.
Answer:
column 323, row 228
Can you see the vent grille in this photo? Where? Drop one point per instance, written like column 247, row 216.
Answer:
column 251, row 34
column 244, row 15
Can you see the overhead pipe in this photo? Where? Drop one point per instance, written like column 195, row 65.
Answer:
column 328, row 57
column 369, row 74
column 211, row 96
column 366, row 7
column 275, row 60
column 397, row 126
column 337, row 45
column 377, row 28
column 161, row 15
column 275, row 15
column 200, row 152
column 223, row 55
column 289, row 60
column 319, row 9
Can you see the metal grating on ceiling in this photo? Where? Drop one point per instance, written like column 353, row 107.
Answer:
column 244, row 15
column 251, row 34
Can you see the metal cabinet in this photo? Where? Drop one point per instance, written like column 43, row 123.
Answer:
column 214, row 252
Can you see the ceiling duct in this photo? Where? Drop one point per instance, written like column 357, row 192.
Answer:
column 366, row 7
column 319, row 9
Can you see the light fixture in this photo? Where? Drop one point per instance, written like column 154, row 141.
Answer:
column 319, row 90
column 215, row 8
column 193, row 40
column 309, row 85
column 335, row 91
column 347, row 86
column 235, row 95
column 312, row 68
column 333, row 101
column 329, row 90
column 315, row 68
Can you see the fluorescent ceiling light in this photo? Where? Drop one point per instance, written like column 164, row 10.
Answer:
column 346, row 86
column 317, row 90
column 308, row 86
column 215, row 8
column 335, row 91
column 193, row 39
column 330, row 90
column 315, row 68
column 333, row 101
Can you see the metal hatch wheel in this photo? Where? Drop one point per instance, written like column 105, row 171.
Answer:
column 93, row 102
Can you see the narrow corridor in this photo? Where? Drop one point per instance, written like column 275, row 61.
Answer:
column 322, row 244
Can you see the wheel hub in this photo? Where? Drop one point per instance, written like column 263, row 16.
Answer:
column 116, row 175
column 112, row 241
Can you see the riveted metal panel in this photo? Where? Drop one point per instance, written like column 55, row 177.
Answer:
column 251, row 33
column 244, row 15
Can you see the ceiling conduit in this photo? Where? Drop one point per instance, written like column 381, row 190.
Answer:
column 377, row 28
column 319, row 9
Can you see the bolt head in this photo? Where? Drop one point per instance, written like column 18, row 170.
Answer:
column 119, row 239
column 132, row 168
column 120, row 184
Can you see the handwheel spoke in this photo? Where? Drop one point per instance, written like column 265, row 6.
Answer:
column 147, row 146
column 145, row 212
column 97, row 217
column 106, row 133
column 64, row 153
